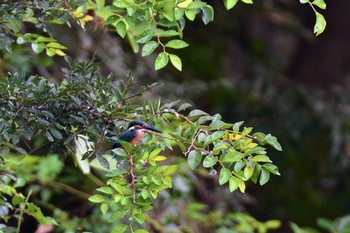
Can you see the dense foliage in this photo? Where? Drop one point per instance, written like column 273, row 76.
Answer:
column 149, row 187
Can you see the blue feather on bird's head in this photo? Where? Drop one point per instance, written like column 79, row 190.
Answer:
column 137, row 124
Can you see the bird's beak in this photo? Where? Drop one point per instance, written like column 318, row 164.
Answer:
column 152, row 128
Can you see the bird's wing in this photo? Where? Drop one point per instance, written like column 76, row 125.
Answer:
column 126, row 136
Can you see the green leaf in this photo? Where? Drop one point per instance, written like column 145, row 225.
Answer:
column 246, row 131
column 170, row 170
column 320, row 24
column 320, row 3
column 121, row 28
column 167, row 33
column 232, row 156
column 149, row 47
column 247, row 2
column 183, row 107
column 229, row 4
column 38, row 47
column 176, row 61
column 140, row 218
column 303, row 1
column 261, row 158
column 197, row 112
column 135, row 46
column 233, row 183
column 190, row 14
column 104, row 208
column 111, row 19
column 100, row 4
column 50, row 52
column 224, row 176
column 241, row 186
column 248, row 172
column 145, row 36
column 176, row 44
column 141, row 231
column 194, row 158
column 35, row 211
column 271, row 140
column 121, row 228
column 106, row 189
column 210, row 161
column 272, row 168
column 55, row 45
column 208, row 14
column 97, row 198
column 161, row 60
column 56, row 133
column 264, row 176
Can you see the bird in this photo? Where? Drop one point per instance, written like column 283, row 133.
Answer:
column 134, row 134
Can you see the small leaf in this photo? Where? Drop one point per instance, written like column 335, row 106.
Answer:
column 210, row 161
column 176, row 61
column 271, row 140
column 176, row 44
column 121, row 228
column 233, row 183
column 111, row 19
column 320, row 3
column 247, row 2
column 149, row 47
column 261, row 158
column 56, row 133
column 141, row 231
column 194, row 158
column 224, row 176
column 197, row 112
column 121, row 28
column 229, row 4
column 232, row 156
column 320, row 24
column 248, row 172
column 190, row 14
column 161, row 60
column 97, row 198
column 145, row 36
column 50, row 51
column 38, row 47
column 208, row 14
column 303, row 1
column 104, row 208
column 264, row 176
column 241, row 186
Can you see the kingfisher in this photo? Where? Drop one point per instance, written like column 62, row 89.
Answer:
column 134, row 134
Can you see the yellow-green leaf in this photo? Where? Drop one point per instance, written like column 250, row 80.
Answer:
column 176, row 61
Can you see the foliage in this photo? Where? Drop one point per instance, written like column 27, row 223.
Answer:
column 87, row 104
column 83, row 115
column 151, row 24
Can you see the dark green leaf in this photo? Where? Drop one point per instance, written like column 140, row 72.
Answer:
column 194, row 158
column 145, row 36
column 208, row 14
column 264, row 176
column 149, row 47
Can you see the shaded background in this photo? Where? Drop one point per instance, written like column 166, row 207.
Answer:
column 259, row 63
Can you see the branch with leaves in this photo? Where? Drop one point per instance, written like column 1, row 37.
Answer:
column 150, row 24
